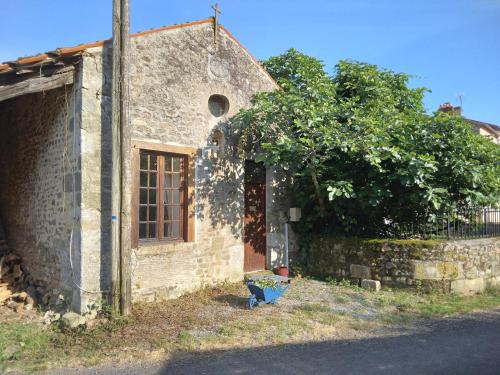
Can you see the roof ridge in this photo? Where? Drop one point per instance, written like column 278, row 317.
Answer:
column 83, row 46
column 78, row 49
column 482, row 122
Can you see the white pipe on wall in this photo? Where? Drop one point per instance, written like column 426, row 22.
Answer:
column 286, row 245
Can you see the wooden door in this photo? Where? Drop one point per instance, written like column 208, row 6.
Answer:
column 255, row 217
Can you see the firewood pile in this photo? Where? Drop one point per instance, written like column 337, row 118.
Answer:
column 14, row 290
column 19, row 292
column 13, row 281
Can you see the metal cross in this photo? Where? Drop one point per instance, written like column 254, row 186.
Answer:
column 216, row 21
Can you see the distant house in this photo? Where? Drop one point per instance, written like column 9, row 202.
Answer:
column 198, row 213
column 490, row 131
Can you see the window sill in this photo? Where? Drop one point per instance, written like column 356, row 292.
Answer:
column 155, row 242
column 162, row 248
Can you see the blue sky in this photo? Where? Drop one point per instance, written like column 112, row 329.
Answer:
column 452, row 46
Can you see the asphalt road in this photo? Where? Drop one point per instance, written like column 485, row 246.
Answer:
column 462, row 346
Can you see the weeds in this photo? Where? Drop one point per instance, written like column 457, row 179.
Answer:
column 343, row 283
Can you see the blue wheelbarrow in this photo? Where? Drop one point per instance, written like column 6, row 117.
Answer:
column 266, row 289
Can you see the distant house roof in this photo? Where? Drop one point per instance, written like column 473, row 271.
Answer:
column 495, row 129
column 68, row 54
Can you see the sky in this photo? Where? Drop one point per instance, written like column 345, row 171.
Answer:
column 451, row 47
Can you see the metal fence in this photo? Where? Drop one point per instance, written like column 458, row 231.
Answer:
column 466, row 223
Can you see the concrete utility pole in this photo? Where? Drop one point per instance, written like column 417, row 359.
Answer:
column 120, row 171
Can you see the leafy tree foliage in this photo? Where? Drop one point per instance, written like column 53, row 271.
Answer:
column 362, row 150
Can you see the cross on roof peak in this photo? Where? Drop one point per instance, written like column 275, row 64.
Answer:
column 217, row 11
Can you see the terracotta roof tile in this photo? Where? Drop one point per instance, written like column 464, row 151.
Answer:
column 5, row 67
column 31, row 60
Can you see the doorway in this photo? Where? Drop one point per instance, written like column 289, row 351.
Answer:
column 255, row 217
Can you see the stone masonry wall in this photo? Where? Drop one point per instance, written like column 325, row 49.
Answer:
column 36, row 183
column 464, row 266
column 172, row 75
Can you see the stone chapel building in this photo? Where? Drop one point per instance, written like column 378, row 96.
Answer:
column 199, row 213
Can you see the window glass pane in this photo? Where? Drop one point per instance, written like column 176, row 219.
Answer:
column 143, row 196
column 152, row 196
column 143, row 213
column 168, row 180
column 175, row 229
column 152, row 179
column 175, row 196
column 144, row 178
column 176, row 164
column 171, row 213
column 144, row 161
column 175, row 213
column 168, row 163
column 153, row 162
column 176, row 180
column 152, row 230
column 152, row 213
column 167, row 197
column 167, row 230
column 142, row 230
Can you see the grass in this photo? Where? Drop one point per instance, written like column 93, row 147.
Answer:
column 21, row 342
column 217, row 319
column 398, row 306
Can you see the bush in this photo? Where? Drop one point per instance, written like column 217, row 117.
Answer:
column 362, row 150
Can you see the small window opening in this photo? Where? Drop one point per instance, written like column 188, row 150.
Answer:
column 218, row 105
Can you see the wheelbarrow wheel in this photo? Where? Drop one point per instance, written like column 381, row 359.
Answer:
column 252, row 301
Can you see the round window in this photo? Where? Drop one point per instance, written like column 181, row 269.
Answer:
column 218, row 105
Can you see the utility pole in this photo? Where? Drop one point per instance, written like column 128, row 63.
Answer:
column 120, row 171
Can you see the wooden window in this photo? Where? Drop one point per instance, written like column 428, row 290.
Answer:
column 163, row 193
column 162, row 196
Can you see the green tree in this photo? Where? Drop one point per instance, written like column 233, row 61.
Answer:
column 361, row 148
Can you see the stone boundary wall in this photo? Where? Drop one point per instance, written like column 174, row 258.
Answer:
column 463, row 267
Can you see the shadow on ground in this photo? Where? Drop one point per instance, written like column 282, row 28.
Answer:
column 455, row 346
column 233, row 300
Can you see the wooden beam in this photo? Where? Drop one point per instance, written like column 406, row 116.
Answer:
column 126, row 177
column 120, row 153
column 37, row 84
column 116, row 98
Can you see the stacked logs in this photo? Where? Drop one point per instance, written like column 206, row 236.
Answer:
column 14, row 292
column 12, row 284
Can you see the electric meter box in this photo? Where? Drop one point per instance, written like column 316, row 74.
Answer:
column 295, row 214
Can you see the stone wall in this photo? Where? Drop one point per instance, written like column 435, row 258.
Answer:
column 172, row 75
column 38, row 161
column 464, row 266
